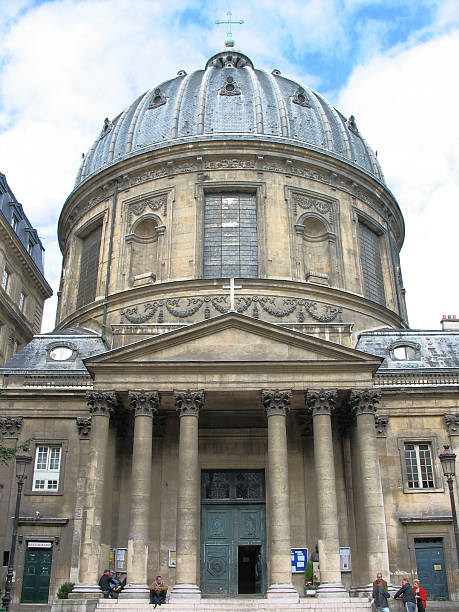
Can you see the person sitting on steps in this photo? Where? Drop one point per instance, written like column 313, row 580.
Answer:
column 158, row 591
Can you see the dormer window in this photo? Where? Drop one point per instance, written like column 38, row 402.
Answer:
column 29, row 247
column 404, row 353
column 14, row 222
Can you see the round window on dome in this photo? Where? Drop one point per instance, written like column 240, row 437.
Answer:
column 60, row 353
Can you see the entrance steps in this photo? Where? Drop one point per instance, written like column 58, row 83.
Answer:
column 239, row 605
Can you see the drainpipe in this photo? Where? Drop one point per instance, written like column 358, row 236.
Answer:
column 109, row 258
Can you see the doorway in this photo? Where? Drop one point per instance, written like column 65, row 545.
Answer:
column 37, row 571
column 233, row 540
column 249, row 569
column 430, row 560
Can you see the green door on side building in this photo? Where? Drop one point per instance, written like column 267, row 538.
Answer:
column 37, row 572
column 233, row 540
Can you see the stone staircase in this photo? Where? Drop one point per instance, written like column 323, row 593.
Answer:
column 239, row 605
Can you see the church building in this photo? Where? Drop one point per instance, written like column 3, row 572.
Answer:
column 232, row 388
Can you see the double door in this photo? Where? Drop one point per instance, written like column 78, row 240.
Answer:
column 233, row 549
column 37, row 571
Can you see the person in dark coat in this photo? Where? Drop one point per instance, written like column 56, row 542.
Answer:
column 381, row 595
column 104, row 582
column 406, row 591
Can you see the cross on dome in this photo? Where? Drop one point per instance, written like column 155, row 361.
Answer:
column 229, row 42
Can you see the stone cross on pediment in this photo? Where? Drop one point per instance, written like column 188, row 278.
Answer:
column 232, row 287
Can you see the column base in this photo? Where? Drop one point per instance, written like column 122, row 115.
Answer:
column 86, row 591
column 333, row 590
column 286, row 593
column 135, row 591
column 185, row 592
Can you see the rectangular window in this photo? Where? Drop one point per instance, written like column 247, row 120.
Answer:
column 29, row 247
column 89, row 267
column 21, row 301
column 14, row 223
column 418, row 461
column 230, row 235
column 370, row 256
column 47, row 468
column 5, row 279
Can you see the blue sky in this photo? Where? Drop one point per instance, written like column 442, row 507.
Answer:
column 65, row 65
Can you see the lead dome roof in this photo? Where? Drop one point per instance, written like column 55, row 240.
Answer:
column 229, row 99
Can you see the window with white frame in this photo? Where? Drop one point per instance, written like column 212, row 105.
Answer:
column 14, row 222
column 419, row 468
column 5, row 279
column 47, row 468
column 21, row 301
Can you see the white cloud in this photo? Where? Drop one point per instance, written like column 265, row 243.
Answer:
column 406, row 103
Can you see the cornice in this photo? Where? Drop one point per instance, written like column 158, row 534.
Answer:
column 205, row 155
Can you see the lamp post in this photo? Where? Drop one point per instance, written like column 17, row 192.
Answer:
column 22, row 461
column 448, row 463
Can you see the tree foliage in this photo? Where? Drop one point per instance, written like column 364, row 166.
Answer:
column 6, row 453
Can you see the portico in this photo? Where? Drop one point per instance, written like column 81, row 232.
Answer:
column 228, row 413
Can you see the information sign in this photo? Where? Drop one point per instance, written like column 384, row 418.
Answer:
column 299, row 560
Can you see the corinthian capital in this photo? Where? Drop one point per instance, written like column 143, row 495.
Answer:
column 10, row 426
column 364, row 401
column 276, row 401
column 320, row 402
column 101, row 402
column 143, row 403
column 188, row 403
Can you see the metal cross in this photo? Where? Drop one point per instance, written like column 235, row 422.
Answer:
column 232, row 287
column 229, row 42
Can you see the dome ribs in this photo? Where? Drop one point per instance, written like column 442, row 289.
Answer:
column 280, row 107
column 202, row 99
column 178, row 106
column 256, row 99
column 111, row 152
column 325, row 122
column 143, row 101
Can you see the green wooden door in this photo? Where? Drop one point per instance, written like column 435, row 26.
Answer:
column 431, row 567
column 224, row 530
column 37, row 571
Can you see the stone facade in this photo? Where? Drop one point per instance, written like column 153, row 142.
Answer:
column 23, row 287
column 168, row 393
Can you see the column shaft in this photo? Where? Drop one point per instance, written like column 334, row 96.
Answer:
column 372, row 499
column 276, row 403
column 188, row 506
column 321, row 404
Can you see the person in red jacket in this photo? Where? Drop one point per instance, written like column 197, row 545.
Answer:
column 421, row 595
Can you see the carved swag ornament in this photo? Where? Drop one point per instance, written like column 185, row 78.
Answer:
column 276, row 401
column 189, row 403
column 143, row 403
column 452, row 422
column 84, row 427
column 10, row 426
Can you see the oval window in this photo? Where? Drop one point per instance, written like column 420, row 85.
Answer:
column 60, row 353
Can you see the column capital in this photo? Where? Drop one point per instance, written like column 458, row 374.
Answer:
column 10, row 426
column 101, row 402
column 320, row 402
column 84, row 427
column 276, row 401
column 144, row 403
column 189, row 403
column 452, row 422
column 364, row 401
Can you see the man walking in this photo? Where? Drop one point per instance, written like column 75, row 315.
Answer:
column 408, row 596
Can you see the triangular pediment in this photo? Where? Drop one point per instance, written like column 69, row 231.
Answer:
column 231, row 337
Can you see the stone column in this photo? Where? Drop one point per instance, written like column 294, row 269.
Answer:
column 276, row 403
column 101, row 405
column 363, row 404
column 188, row 404
column 144, row 405
column 321, row 405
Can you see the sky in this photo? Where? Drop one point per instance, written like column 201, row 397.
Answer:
column 65, row 65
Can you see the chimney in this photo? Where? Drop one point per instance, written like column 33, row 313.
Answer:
column 449, row 323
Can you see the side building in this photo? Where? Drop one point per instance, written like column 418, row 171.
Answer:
column 23, row 287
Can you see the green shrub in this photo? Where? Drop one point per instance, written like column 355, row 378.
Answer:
column 308, row 572
column 64, row 590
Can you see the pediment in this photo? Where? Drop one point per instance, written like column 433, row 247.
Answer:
column 231, row 337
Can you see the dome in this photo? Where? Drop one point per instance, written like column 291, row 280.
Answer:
column 231, row 98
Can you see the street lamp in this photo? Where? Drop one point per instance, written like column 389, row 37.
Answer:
column 22, row 461
column 448, row 463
